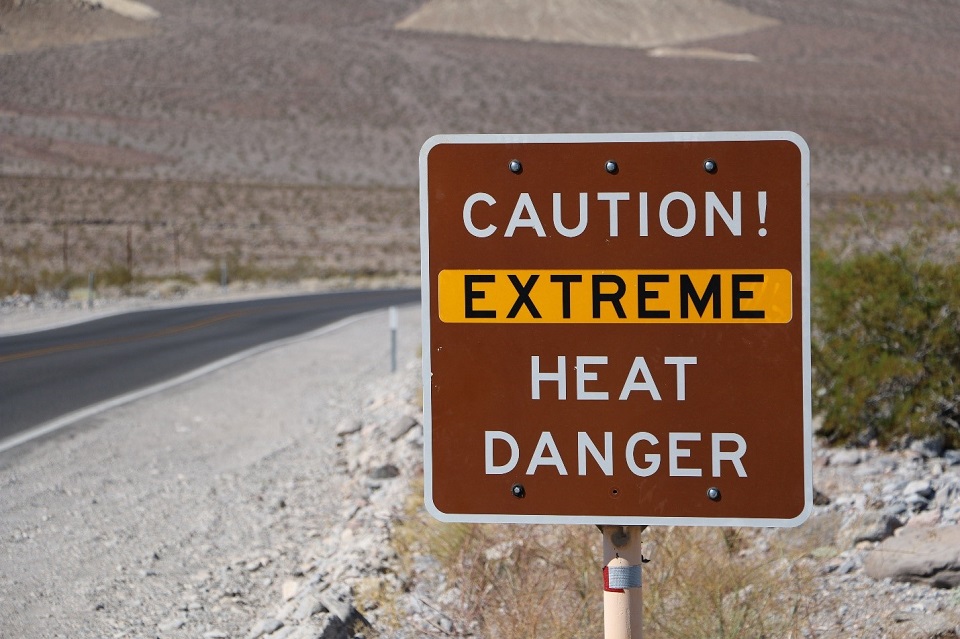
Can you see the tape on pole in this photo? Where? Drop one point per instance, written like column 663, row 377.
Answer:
column 619, row 578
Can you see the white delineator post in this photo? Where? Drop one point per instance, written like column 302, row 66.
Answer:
column 622, row 592
column 394, row 318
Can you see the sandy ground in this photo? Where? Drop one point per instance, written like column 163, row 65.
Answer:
column 105, row 524
column 130, row 9
column 638, row 24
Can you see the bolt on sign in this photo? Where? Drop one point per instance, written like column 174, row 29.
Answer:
column 616, row 328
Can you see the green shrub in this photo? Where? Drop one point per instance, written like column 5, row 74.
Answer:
column 238, row 271
column 114, row 275
column 59, row 281
column 14, row 281
column 886, row 347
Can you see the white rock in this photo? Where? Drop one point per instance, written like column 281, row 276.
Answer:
column 846, row 457
column 289, row 589
column 265, row 627
column 921, row 487
column 349, row 427
column 172, row 624
column 309, row 606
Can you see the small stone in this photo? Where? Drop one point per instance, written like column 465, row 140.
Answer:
column 172, row 624
column 341, row 606
column 289, row 589
column 386, row 471
column 215, row 634
column 917, row 502
column 265, row 627
column 315, row 631
column 921, row 487
column 256, row 564
column 400, row 427
column 892, row 487
column 895, row 509
column 309, row 606
column 349, row 427
column 929, row 448
column 875, row 527
column 929, row 518
column 846, row 457
column 201, row 576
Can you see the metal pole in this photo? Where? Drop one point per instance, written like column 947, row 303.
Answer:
column 622, row 594
column 90, row 291
column 394, row 325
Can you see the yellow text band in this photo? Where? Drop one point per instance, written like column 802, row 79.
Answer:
column 679, row 296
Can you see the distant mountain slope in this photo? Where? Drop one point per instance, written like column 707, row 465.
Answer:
column 623, row 23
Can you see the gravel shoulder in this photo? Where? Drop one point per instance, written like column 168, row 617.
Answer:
column 180, row 513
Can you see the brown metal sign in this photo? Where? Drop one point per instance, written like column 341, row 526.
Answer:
column 616, row 328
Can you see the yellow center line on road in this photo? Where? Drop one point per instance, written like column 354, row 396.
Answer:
column 122, row 340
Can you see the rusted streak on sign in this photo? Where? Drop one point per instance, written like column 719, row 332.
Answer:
column 614, row 325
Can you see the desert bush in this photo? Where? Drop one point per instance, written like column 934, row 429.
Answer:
column 513, row 581
column 235, row 270
column 14, row 281
column 526, row 581
column 251, row 271
column 545, row 581
column 713, row 583
column 117, row 275
column 59, row 282
column 886, row 347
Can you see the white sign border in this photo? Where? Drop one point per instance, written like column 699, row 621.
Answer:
column 593, row 138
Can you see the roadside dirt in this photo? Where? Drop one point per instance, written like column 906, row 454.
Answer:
column 118, row 527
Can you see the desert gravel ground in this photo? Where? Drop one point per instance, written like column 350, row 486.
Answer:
column 109, row 527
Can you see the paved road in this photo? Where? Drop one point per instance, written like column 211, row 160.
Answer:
column 50, row 373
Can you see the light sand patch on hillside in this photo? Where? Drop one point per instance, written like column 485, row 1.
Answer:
column 701, row 53
column 130, row 9
column 49, row 24
column 639, row 24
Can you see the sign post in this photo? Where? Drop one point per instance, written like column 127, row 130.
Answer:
column 616, row 329
column 622, row 581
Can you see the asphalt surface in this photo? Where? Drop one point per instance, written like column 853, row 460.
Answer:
column 47, row 374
